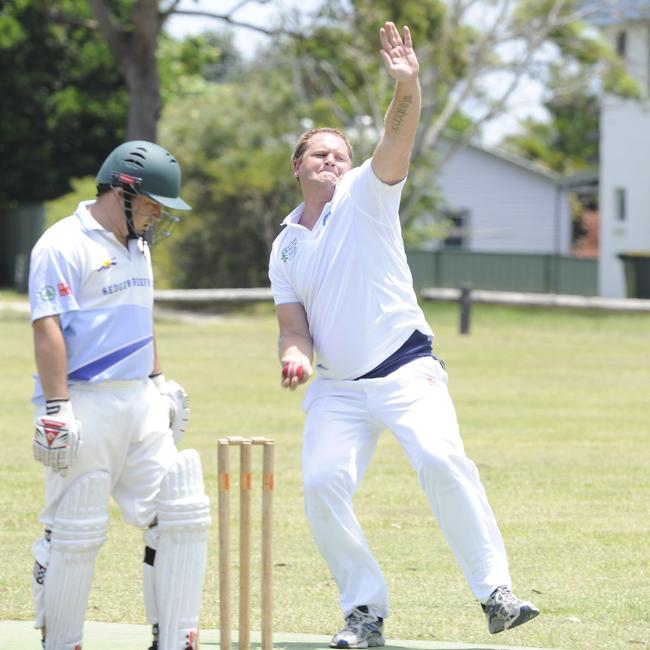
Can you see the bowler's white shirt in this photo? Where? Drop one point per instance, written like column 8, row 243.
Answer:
column 103, row 294
column 350, row 274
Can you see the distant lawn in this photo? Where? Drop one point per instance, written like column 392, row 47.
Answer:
column 554, row 410
column 6, row 295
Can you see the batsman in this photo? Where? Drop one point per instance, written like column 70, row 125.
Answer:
column 107, row 421
column 344, row 298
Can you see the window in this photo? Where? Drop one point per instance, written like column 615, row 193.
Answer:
column 620, row 204
column 621, row 44
column 456, row 237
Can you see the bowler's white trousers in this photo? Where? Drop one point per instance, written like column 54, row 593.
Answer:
column 344, row 420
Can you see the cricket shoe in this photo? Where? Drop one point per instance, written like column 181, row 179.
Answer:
column 362, row 630
column 154, row 632
column 192, row 639
column 504, row 610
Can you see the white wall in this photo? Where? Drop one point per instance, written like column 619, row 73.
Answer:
column 625, row 163
column 511, row 208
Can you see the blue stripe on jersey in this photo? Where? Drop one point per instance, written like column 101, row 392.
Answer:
column 417, row 345
column 96, row 367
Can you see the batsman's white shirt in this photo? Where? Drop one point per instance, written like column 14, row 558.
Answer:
column 103, row 294
column 351, row 275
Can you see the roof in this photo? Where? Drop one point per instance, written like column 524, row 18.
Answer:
column 519, row 161
column 605, row 13
column 582, row 179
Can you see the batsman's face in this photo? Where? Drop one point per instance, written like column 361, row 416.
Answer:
column 145, row 213
column 323, row 163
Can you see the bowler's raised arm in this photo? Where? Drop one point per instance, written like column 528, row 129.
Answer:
column 391, row 158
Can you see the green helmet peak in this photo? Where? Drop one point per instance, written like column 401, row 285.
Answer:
column 149, row 168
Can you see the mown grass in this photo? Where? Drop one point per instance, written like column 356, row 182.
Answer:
column 554, row 410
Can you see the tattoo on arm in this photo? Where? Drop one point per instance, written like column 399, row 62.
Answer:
column 400, row 113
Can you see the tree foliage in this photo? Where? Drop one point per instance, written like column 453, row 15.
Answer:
column 234, row 141
column 232, row 124
column 63, row 101
column 132, row 29
column 568, row 141
column 473, row 57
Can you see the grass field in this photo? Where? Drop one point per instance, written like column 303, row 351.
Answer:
column 554, row 410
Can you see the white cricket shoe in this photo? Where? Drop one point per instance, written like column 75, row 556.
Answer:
column 362, row 630
column 504, row 610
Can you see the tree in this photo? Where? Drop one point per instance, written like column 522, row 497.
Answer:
column 132, row 30
column 63, row 102
column 568, row 140
column 463, row 55
column 473, row 54
column 232, row 144
column 234, row 141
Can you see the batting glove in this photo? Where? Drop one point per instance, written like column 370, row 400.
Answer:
column 57, row 436
column 178, row 403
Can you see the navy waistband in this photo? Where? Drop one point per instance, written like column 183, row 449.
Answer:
column 416, row 346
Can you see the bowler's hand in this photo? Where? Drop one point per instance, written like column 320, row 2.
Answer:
column 399, row 57
column 296, row 370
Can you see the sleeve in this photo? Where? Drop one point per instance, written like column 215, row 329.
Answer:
column 53, row 282
column 281, row 288
column 373, row 198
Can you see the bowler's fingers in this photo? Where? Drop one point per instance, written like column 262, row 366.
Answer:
column 388, row 62
column 292, row 369
column 294, row 374
column 408, row 40
column 390, row 37
column 393, row 34
column 393, row 37
column 383, row 38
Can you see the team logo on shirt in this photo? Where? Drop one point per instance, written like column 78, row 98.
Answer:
column 64, row 289
column 47, row 293
column 106, row 264
column 289, row 251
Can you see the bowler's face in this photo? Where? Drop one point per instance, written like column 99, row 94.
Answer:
column 322, row 164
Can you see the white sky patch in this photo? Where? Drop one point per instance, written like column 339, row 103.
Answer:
column 247, row 40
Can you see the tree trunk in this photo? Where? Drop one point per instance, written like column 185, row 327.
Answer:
column 134, row 51
column 144, row 98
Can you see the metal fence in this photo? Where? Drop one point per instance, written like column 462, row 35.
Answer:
column 534, row 273
column 20, row 227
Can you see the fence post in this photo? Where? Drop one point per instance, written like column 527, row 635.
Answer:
column 465, row 308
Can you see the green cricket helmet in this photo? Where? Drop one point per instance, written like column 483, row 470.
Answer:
column 148, row 168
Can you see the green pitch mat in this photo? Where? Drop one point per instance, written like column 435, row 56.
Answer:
column 20, row 635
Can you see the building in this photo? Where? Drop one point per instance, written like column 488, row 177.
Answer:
column 512, row 228
column 625, row 149
column 502, row 203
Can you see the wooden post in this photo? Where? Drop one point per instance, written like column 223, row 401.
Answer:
column 225, row 615
column 465, row 308
column 246, row 487
column 268, row 480
column 245, row 497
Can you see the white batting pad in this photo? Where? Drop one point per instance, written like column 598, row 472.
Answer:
column 79, row 529
column 41, row 553
column 179, row 569
column 149, row 574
